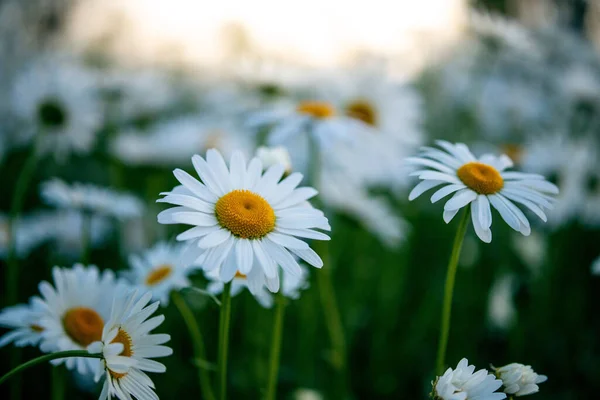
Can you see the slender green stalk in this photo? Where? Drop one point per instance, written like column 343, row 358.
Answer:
column 86, row 237
column 333, row 319
column 58, row 383
column 224, row 321
column 276, row 345
column 46, row 358
column 449, row 290
column 198, row 341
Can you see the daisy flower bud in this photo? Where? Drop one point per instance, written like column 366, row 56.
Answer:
column 519, row 379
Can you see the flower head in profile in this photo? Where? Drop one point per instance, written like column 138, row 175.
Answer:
column 244, row 219
column 159, row 270
column 74, row 311
column 91, row 198
column 23, row 319
column 481, row 182
column 128, row 348
column 463, row 383
column 519, row 379
column 275, row 155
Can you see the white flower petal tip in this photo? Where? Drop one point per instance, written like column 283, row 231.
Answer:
column 481, row 184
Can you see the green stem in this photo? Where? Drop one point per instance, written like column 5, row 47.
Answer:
column 224, row 320
column 333, row 319
column 276, row 346
column 198, row 341
column 86, row 237
column 58, row 383
column 448, row 291
column 45, row 358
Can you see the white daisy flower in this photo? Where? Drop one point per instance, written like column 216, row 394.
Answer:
column 275, row 155
column 75, row 310
column 463, row 383
column 519, row 379
column 255, row 283
column 58, row 98
column 128, row 348
column 159, row 270
column 244, row 219
column 91, row 198
column 479, row 183
column 23, row 320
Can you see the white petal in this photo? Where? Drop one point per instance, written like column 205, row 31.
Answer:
column 244, row 255
column 188, row 201
column 269, row 180
column 445, row 191
column 303, row 233
column 194, row 218
column 429, row 163
column 436, row 176
column 214, row 239
column 505, row 212
column 207, row 175
column 196, row 232
column 460, row 199
column 449, row 215
column 485, row 213
column 485, row 234
column 298, row 196
column 422, row 187
column 282, row 257
column 264, row 260
column 285, row 188
column 309, row 256
column 237, row 169
column 219, row 169
column 253, row 173
column 195, row 187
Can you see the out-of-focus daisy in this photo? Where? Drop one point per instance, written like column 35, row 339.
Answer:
column 501, row 307
column 479, row 183
column 159, row 270
column 255, row 283
column 23, row 320
column 244, row 219
column 275, row 155
column 58, row 99
column 174, row 141
column 519, row 379
column 91, row 198
column 504, row 32
column 463, row 383
column 596, row 267
column 75, row 310
column 129, row 347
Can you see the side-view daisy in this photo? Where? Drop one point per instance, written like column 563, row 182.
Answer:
column 463, row 383
column 244, row 219
column 23, row 320
column 519, row 379
column 128, row 348
column 480, row 182
column 74, row 311
column 159, row 270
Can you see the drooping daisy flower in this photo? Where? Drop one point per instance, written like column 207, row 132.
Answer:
column 479, row 183
column 58, row 98
column 244, row 219
column 129, row 347
column 159, row 270
column 463, row 383
column 23, row 319
column 91, row 198
column 275, row 155
column 255, row 282
column 519, row 379
column 75, row 310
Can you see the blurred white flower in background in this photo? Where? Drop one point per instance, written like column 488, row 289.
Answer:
column 501, row 306
column 519, row 379
column 23, row 319
column 91, row 198
column 463, row 383
column 57, row 97
column 275, row 155
column 596, row 266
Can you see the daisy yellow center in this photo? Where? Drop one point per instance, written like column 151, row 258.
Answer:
column 363, row 111
column 83, row 325
column 316, row 109
column 514, row 151
column 123, row 338
column 239, row 275
column 159, row 274
column 245, row 214
column 481, row 178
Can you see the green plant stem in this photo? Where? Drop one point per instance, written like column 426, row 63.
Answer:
column 224, row 321
column 333, row 319
column 449, row 290
column 86, row 237
column 276, row 346
column 198, row 341
column 58, row 383
column 46, row 358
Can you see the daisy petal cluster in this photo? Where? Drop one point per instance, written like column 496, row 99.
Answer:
column 463, row 383
column 91, row 198
column 128, row 348
column 519, row 379
column 482, row 183
column 159, row 270
column 23, row 319
column 244, row 219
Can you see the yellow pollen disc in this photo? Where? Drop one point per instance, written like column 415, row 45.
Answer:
column 36, row 328
column 239, row 275
column 482, row 178
column 245, row 214
column 83, row 325
column 159, row 274
column 514, row 151
column 363, row 111
column 123, row 338
column 316, row 109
